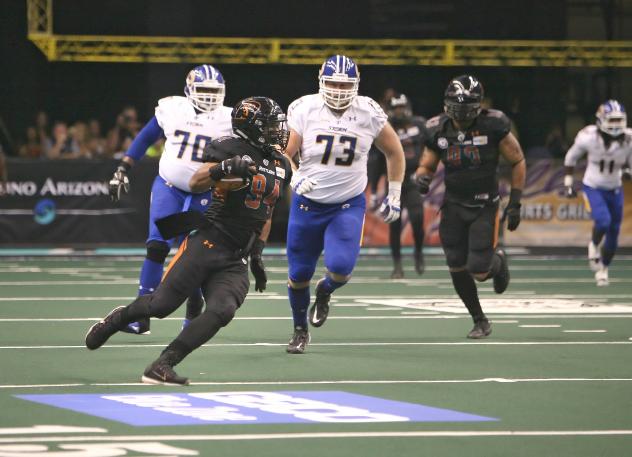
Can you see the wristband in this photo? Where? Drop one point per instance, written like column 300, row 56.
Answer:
column 395, row 189
column 216, row 172
column 124, row 165
column 514, row 197
column 568, row 180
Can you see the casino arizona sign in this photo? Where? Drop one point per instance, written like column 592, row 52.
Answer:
column 52, row 187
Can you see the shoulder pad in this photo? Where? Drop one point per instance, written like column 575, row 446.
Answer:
column 586, row 134
column 217, row 150
column 433, row 122
column 370, row 105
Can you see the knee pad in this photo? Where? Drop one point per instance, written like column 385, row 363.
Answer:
column 301, row 273
column 479, row 262
column 455, row 258
column 225, row 312
column 157, row 251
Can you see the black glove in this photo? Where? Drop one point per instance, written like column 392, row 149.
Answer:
column 625, row 174
column 512, row 210
column 569, row 192
column 119, row 182
column 256, row 265
column 422, row 183
column 236, row 166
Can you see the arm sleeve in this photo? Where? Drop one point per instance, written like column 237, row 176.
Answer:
column 575, row 153
column 145, row 138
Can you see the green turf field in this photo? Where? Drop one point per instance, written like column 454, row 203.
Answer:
column 556, row 372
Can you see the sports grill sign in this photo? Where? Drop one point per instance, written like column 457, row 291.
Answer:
column 249, row 408
column 63, row 201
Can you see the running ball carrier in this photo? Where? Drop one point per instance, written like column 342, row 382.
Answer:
column 213, row 257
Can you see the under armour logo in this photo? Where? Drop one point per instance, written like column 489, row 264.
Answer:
column 208, row 244
column 304, row 207
column 353, row 118
column 346, row 206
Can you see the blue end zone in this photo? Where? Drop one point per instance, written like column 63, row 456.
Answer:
column 250, row 408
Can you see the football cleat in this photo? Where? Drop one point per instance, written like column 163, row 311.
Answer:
column 420, row 265
column 320, row 309
column 160, row 372
column 299, row 341
column 594, row 257
column 100, row 332
column 481, row 329
column 602, row 277
column 138, row 328
column 501, row 280
column 398, row 271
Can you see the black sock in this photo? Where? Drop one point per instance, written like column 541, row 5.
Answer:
column 466, row 288
column 597, row 235
column 201, row 329
column 175, row 352
column 136, row 310
column 606, row 256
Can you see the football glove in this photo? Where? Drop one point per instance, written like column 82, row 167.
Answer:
column 119, row 183
column 302, row 185
column 422, row 183
column 236, row 166
column 256, row 265
column 512, row 210
column 390, row 208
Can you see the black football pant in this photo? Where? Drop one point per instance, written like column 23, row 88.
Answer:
column 204, row 261
column 469, row 235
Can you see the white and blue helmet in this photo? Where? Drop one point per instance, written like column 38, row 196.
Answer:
column 205, row 88
column 611, row 118
column 339, row 69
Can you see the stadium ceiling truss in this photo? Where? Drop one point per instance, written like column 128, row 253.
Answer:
column 239, row 50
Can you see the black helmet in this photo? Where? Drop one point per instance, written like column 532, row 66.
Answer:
column 261, row 121
column 399, row 109
column 462, row 98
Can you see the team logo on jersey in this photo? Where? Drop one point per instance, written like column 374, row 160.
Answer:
column 266, row 162
column 480, row 140
column 204, row 202
column 247, row 158
column 443, row 143
column 280, row 172
column 461, row 137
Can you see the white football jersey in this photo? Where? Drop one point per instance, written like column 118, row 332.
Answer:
column 335, row 148
column 187, row 133
column 603, row 170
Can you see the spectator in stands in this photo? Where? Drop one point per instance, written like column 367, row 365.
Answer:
column 95, row 138
column 32, row 147
column 79, row 134
column 42, row 127
column 124, row 131
column 61, row 145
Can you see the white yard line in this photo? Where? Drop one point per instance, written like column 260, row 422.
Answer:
column 318, row 435
column 327, row 382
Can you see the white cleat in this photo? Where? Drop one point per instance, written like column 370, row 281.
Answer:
column 594, row 257
column 602, row 277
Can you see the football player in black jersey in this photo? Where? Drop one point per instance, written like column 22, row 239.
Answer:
column 468, row 140
column 213, row 257
column 412, row 134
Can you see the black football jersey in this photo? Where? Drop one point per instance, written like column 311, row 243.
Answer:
column 413, row 138
column 239, row 213
column 470, row 157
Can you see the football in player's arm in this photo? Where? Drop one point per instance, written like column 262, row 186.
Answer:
column 214, row 255
column 469, row 140
column 608, row 145
column 333, row 130
column 188, row 123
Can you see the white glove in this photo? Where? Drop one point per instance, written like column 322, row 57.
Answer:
column 302, row 185
column 119, row 184
column 391, row 206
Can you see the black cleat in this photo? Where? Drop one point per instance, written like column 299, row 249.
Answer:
column 299, row 341
column 100, row 332
column 481, row 329
column 160, row 372
column 398, row 271
column 501, row 280
column 320, row 309
column 420, row 265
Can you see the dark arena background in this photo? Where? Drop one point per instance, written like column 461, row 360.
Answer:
column 391, row 373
